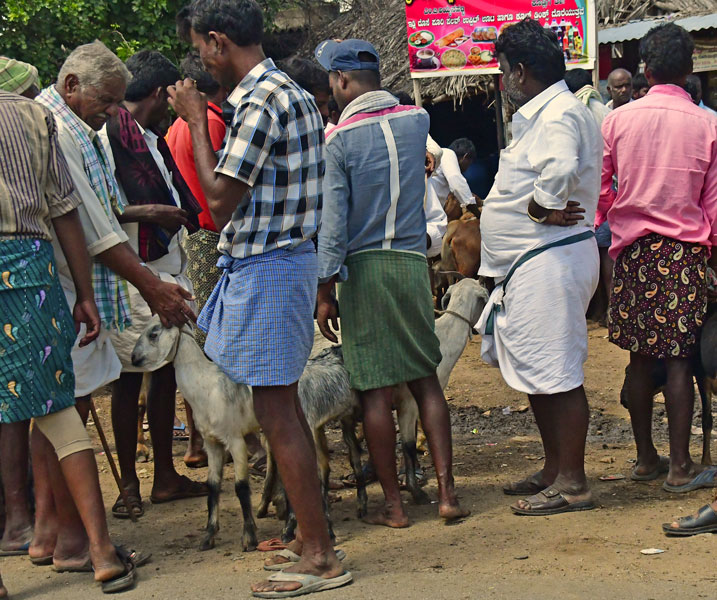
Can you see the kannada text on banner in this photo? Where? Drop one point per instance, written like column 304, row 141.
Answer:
column 455, row 37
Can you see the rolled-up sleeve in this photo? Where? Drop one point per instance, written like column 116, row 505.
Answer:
column 333, row 236
column 436, row 221
column 435, row 150
column 59, row 190
column 102, row 231
column 556, row 162
column 456, row 182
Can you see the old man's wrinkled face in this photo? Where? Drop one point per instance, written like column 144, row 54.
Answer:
column 95, row 105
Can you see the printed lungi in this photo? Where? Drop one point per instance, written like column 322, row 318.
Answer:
column 659, row 297
column 387, row 322
column 259, row 319
column 202, row 270
column 38, row 331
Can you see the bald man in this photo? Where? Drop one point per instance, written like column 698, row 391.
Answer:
column 619, row 86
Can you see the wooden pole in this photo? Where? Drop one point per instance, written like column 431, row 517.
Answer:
column 111, row 460
column 498, row 104
column 417, row 93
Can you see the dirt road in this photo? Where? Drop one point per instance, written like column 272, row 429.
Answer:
column 492, row 555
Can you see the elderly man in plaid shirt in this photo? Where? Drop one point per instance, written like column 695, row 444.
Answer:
column 264, row 191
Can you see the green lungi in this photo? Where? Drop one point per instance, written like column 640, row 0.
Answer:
column 202, row 270
column 387, row 323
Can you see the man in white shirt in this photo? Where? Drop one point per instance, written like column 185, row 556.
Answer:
column 544, row 261
column 159, row 205
column 448, row 176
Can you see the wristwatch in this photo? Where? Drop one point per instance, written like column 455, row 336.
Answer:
column 537, row 219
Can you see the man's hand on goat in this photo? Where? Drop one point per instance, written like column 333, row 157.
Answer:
column 168, row 301
column 327, row 310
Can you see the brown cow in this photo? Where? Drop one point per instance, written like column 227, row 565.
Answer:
column 460, row 254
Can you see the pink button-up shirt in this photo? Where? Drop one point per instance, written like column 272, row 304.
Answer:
column 663, row 149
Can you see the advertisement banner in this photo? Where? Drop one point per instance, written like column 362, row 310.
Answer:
column 455, row 37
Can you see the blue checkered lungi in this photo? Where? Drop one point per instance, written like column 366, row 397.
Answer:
column 259, row 319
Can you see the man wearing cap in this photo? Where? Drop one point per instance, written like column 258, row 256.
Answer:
column 264, row 193
column 373, row 241
column 19, row 77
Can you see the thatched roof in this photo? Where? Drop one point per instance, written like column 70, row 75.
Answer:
column 613, row 12
column 383, row 23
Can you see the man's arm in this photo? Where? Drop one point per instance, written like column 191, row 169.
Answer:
column 223, row 193
column 333, row 238
column 456, row 182
column 172, row 218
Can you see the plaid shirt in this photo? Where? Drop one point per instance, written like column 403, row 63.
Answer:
column 275, row 145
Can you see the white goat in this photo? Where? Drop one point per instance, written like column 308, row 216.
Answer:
column 223, row 414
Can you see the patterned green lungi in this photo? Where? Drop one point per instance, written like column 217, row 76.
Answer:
column 387, row 323
column 38, row 332
column 202, row 270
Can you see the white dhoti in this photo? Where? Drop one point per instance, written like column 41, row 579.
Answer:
column 96, row 364
column 540, row 339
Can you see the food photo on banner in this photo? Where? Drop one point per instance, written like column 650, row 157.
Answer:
column 455, row 37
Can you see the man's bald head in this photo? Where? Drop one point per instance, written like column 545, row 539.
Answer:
column 619, row 86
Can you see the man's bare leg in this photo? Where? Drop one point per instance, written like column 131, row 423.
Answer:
column 279, row 414
column 436, row 422
column 14, row 450
column 125, row 412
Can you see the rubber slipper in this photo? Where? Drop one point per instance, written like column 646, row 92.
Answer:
column 704, row 522
column 524, row 487
column 293, row 557
column 662, row 467
column 271, row 545
column 706, row 479
column 551, row 502
column 189, row 489
column 41, row 561
column 119, row 510
column 309, row 584
column 138, row 558
column 21, row 551
column 122, row 582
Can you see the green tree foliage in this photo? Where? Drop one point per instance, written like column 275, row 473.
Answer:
column 43, row 32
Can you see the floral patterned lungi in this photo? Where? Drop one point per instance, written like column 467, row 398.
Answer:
column 659, row 297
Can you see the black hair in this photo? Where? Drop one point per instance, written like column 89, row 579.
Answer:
column 193, row 68
column 667, row 51
column 463, row 146
column 639, row 81
column 150, row 70
column 404, row 99
column 333, row 106
column 536, row 47
column 693, row 86
column 366, row 76
column 578, row 79
column 183, row 24
column 241, row 21
column 307, row 74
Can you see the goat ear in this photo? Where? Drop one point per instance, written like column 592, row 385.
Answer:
column 445, row 300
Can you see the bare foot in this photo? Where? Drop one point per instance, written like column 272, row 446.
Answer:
column 388, row 516
column 16, row 540
column 452, row 511
column 656, row 466
column 682, row 475
column 326, row 567
column 71, row 563
column 110, row 569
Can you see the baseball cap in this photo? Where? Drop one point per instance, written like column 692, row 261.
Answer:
column 344, row 55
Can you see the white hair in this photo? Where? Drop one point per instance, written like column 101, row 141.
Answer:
column 93, row 64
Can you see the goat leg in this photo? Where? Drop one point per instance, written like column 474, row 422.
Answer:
column 215, row 461
column 705, row 387
column 243, row 491
column 269, row 490
column 348, row 430
column 408, row 427
column 289, row 532
column 322, row 455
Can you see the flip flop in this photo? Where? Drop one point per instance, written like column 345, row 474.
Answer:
column 123, row 581
column 706, row 479
column 524, row 487
column 551, row 502
column 119, row 510
column 662, row 467
column 190, row 489
column 293, row 557
column 138, row 559
column 309, row 584
column 41, row 561
column 21, row 551
column 704, row 522
column 271, row 545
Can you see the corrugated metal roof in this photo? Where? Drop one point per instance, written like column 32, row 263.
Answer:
column 636, row 30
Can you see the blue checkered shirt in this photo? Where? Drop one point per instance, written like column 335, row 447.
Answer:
column 275, row 144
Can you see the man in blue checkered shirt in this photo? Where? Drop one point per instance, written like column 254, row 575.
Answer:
column 264, row 193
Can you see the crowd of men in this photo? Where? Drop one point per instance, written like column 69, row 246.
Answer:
column 253, row 215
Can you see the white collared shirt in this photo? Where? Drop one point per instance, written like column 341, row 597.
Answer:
column 448, row 178
column 555, row 156
column 436, row 221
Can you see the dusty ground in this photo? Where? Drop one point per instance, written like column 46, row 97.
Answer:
column 493, row 554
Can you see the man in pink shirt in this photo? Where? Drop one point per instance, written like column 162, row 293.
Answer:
column 664, row 223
